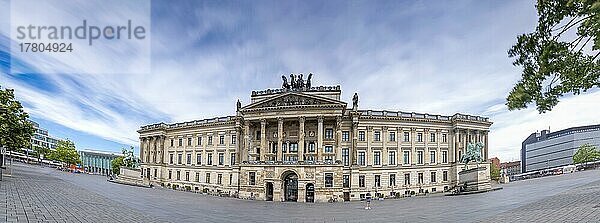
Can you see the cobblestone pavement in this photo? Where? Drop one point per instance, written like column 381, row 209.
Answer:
column 43, row 194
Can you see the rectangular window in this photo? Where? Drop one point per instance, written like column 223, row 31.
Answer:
column 328, row 149
column 361, row 136
column 346, row 181
column 179, row 158
column 178, row 175
column 220, row 179
column 199, row 140
column 155, row 172
column 407, row 179
column 420, row 178
column 376, row 158
column 197, row 177
column 187, row 176
column 251, row 178
column 377, row 136
column 345, row 136
column 207, row 180
column 444, row 156
column 209, row 160
column 329, row 133
column 392, row 180
column 361, row 158
column 328, row 179
column 209, row 140
column 199, row 159
column 221, row 159
column 432, row 137
column 445, row 176
column 171, row 142
column 406, row 136
column 432, row 157
column 293, row 147
column 377, row 180
column 233, row 139
column 171, row 158
column 444, row 137
column 230, row 179
column 170, row 174
column 361, row 181
column 189, row 159
column 406, row 159
column 346, row 156
column 433, row 177
column 180, row 142
column 189, row 142
column 221, row 140
column 392, row 158
column 232, row 158
column 419, row 157
column 419, row 137
column 392, row 136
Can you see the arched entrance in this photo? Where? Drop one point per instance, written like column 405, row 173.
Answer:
column 290, row 186
column 269, row 191
column 310, row 192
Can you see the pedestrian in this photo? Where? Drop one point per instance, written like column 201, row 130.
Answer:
column 368, row 197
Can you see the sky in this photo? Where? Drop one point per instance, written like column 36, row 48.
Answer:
column 436, row 57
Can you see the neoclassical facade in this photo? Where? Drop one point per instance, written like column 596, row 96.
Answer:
column 302, row 143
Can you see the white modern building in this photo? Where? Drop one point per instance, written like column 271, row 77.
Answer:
column 545, row 150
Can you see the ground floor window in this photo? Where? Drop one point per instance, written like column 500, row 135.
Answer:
column 170, row 174
column 392, row 180
column 433, row 177
column 207, row 180
column 346, row 181
column 219, row 178
column 377, row 180
column 329, row 180
column 251, row 178
column 420, row 176
column 187, row 176
column 407, row 179
column 361, row 181
column 445, row 176
column 178, row 175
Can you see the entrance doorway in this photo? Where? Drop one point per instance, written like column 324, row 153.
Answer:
column 269, row 191
column 290, row 186
column 310, row 192
column 346, row 196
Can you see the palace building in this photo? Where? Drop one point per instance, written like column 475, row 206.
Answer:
column 302, row 143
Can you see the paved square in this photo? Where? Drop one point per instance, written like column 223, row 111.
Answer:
column 35, row 194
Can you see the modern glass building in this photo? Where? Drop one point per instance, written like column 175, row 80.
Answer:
column 97, row 162
column 547, row 149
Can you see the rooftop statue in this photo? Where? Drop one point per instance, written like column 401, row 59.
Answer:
column 355, row 102
column 308, row 83
column 297, row 82
column 473, row 154
column 285, row 84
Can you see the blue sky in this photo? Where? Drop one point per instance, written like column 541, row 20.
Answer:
column 438, row 57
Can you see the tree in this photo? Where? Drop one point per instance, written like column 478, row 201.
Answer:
column 65, row 152
column 127, row 160
column 586, row 153
column 15, row 130
column 560, row 56
column 494, row 172
column 40, row 150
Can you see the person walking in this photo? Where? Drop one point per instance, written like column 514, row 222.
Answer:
column 368, row 197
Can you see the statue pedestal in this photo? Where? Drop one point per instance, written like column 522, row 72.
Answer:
column 474, row 180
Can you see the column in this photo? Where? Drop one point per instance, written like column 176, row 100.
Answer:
column 338, row 139
column 301, row 139
column 142, row 144
column 319, row 137
column 485, row 146
column 279, row 139
column 263, row 139
column 384, row 151
column 246, row 146
column 369, row 138
column 353, row 152
column 413, row 151
column 238, row 143
column 426, row 138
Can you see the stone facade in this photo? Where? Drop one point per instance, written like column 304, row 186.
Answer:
column 306, row 145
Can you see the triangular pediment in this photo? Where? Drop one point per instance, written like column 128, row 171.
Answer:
column 294, row 99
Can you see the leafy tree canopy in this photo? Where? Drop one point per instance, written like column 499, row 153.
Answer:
column 15, row 130
column 586, row 153
column 65, row 152
column 560, row 56
column 127, row 160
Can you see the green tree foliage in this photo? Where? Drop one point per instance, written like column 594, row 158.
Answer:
column 560, row 56
column 65, row 152
column 40, row 150
column 15, row 130
column 494, row 172
column 586, row 153
column 127, row 160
